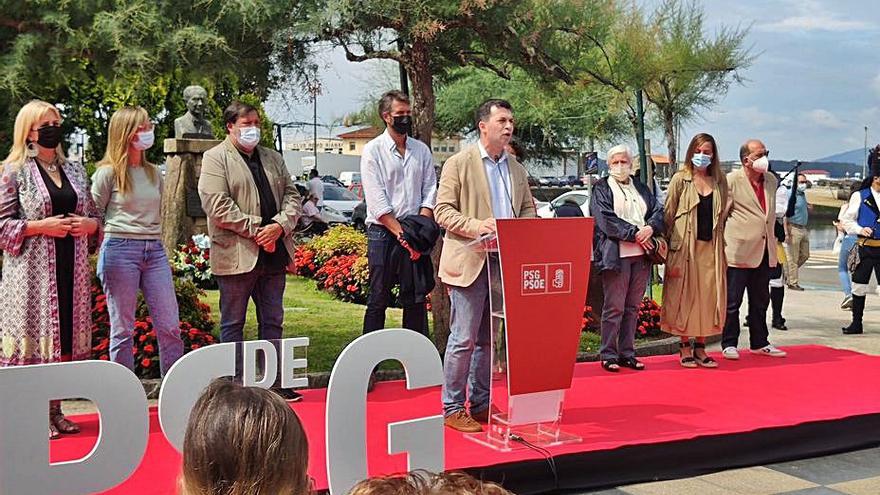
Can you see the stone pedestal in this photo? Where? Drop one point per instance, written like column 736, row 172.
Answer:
column 182, row 214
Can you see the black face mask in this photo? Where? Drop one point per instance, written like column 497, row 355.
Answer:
column 402, row 124
column 49, row 136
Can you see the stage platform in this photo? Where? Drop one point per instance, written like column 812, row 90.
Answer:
column 665, row 422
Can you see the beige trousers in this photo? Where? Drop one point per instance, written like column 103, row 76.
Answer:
column 798, row 251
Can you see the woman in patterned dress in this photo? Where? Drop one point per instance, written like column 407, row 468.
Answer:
column 46, row 216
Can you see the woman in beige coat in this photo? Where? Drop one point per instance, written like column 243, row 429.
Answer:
column 695, row 285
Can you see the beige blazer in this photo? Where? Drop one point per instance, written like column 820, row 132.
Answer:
column 463, row 202
column 231, row 201
column 749, row 230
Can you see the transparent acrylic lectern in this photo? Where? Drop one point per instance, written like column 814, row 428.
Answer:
column 531, row 418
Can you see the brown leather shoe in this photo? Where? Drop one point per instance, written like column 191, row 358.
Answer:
column 460, row 420
column 483, row 416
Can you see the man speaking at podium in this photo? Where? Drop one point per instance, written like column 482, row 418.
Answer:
column 477, row 185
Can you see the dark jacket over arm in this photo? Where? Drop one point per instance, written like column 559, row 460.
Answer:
column 416, row 277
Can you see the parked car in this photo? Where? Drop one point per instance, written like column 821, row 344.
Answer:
column 359, row 216
column 571, row 180
column 349, row 178
column 329, row 179
column 333, row 216
column 340, row 199
column 581, row 197
column 555, row 181
column 330, row 215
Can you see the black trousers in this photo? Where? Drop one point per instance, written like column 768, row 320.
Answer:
column 869, row 262
column 383, row 277
column 756, row 282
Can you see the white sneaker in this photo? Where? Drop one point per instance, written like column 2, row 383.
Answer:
column 769, row 350
column 730, row 353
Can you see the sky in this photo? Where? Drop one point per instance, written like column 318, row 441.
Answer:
column 812, row 89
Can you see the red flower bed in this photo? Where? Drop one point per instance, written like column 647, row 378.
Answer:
column 346, row 277
column 649, row 319
column 304, row 263
column 589, row 323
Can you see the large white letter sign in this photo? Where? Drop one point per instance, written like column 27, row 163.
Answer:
column 24, row 446
column 347, row 406
column 185, row 382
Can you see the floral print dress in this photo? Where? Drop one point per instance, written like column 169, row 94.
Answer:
column 30, row 319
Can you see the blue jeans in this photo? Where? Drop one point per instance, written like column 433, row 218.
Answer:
column 842, row 270
column 468, row 358
column 266, row 288
column 124, row 267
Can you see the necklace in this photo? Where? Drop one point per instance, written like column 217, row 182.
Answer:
column 51, row 167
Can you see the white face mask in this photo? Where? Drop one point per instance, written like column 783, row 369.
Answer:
column 144, row 140
column 248, row 137
column 700, row 160
column 620, row 172
column 761, row 164
column 802, row 187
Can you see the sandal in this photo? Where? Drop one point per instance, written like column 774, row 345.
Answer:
column 686, row 361
column 61, row 423
column 611, row 365
column 54, row 434
column 705, row 362
column 632, row 363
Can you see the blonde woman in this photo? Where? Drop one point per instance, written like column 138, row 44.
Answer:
column 46, row 216
column 127, row 189
column 244, row 441
column 695, row 285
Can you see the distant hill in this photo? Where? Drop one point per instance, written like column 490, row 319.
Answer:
column 856, row 156
column 835, row 170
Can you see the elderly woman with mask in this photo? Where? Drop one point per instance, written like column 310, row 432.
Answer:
column 627, row 216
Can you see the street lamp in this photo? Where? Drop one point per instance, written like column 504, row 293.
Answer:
column 314, row 88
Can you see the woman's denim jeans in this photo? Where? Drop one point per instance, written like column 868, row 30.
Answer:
column 126, row 266
column 842, row 269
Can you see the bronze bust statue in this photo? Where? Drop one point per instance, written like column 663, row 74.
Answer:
column 193, row 124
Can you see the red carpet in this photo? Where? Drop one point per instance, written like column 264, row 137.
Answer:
column 662, row 405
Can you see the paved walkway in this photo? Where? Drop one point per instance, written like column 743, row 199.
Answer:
column 814, row 317
column 852, row 473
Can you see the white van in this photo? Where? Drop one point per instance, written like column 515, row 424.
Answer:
column 349, row 178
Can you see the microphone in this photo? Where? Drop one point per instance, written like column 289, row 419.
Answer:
column 506, row 190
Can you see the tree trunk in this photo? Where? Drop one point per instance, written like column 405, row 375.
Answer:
column 671, row 144
column 423, row 100
column 439, row 303
column 422, row 81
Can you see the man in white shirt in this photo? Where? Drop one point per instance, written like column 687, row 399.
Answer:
column 316, row 188
column 311, row 219
column 398, row 177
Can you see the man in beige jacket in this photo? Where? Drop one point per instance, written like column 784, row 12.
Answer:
column 750, row 249
column 252, row 206
column 477, row 185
